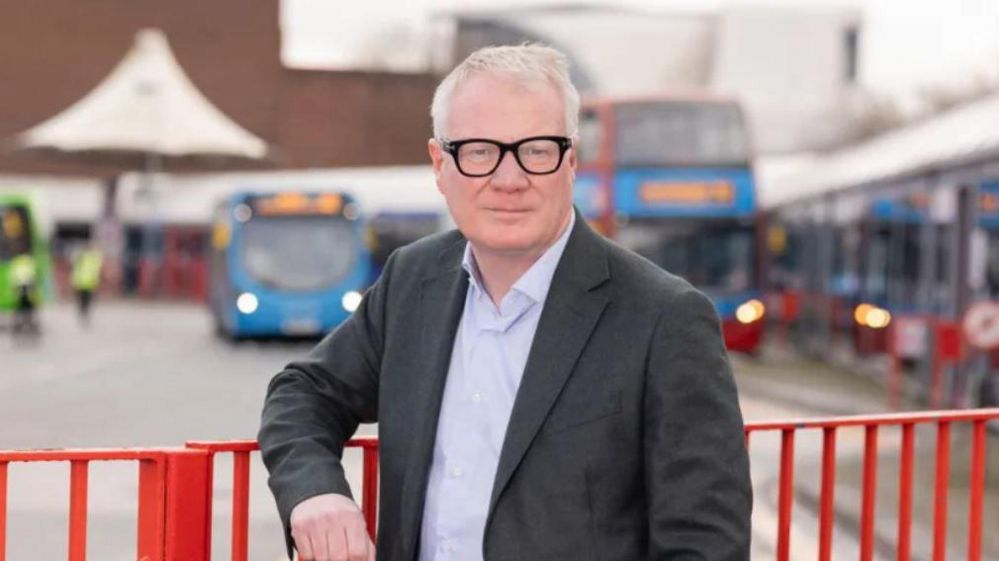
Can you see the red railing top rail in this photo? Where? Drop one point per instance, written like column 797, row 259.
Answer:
column 223, row 446
column 86, row 454
column 366, row 442
column 960, row 415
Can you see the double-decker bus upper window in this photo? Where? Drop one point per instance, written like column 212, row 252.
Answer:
column 591, row 136
column 14, row 231
column 679, row 133
column 298, row 252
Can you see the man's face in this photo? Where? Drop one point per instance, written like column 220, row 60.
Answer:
column 509, row 212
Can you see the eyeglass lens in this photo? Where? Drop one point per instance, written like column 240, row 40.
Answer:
column 535, row 156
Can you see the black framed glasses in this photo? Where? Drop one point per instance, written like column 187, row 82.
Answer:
column 479, row 157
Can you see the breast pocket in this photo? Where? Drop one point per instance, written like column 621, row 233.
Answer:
column 575, row 412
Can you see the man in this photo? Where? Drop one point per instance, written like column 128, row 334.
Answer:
column 86, row 276
column 541, row 393
column 23, row 274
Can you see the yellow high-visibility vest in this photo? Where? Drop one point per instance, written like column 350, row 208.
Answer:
column 22, row 270
column 87, row 270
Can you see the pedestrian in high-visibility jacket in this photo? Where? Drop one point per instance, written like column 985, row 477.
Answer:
column 85, row 279
column 23, row 275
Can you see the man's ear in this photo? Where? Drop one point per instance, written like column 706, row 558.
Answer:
column 573, row 161
column 436, row 156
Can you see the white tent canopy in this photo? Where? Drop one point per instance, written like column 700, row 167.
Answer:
column 146, row 105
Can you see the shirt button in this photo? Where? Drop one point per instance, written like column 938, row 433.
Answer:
column 476, row 398
column 449, row 546
column 457, row 472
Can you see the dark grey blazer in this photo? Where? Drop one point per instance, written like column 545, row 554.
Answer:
column 625, row 442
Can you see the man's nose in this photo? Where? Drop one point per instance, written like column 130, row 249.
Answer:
column 509, row 174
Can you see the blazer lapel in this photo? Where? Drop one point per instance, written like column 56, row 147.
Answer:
column 442, row 300
column 572, row 309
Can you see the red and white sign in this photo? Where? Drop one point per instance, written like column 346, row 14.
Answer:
column 910, row 336
column 981, row 325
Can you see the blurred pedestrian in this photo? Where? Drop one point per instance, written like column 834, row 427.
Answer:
column 540, row 392
column 23, row 278
column 86, row 278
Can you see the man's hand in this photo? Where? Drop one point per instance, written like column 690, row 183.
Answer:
column 330, row 527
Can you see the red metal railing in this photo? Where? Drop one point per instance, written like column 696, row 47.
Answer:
column 241, row 450
column 174, row 514
column 176, row 486
column 171, row 509
column 871, row 426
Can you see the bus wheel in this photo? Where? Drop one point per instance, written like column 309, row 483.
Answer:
column 221, row 333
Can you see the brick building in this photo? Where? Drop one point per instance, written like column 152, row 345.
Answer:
column 52, row 52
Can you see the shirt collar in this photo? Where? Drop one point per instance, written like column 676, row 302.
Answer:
column 537, row 280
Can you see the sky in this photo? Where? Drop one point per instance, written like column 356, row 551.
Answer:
column 907, row 44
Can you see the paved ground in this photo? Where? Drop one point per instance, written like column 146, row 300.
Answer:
column 153, row 375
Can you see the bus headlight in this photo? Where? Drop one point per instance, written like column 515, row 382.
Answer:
column 351, row 301
column 871, row 316
column 247, row 303
column 750, row 311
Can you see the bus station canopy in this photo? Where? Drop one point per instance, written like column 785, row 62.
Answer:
column 965, row 135
column 146, row 105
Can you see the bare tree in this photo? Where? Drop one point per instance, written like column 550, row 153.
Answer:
column 938, row 98
column 877, row 113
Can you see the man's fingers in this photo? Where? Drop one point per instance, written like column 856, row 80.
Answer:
column 303, row 544
column 319, row 542
column 357, row 541
column 337, row 542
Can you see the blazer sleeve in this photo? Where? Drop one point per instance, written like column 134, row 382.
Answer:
column 315, row 405
column 697, row 466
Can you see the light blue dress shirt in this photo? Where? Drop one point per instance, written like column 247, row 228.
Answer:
column 487, row 363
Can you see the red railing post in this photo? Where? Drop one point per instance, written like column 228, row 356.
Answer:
column 976, row 491
column 240, row 505
column 186, row 514
column 826, row 496
column 785, row 495
column 78, row 510
column 940, row 497
column 209, row 504
column 369, row 504
column 152, row 508
column 870, row 476
column 905, row 492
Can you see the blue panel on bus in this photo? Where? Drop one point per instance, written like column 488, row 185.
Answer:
column 708, row 192
column 588, row 195
column 907, row 209
column 988, row 205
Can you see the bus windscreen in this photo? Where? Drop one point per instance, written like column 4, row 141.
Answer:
column 298, row 253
